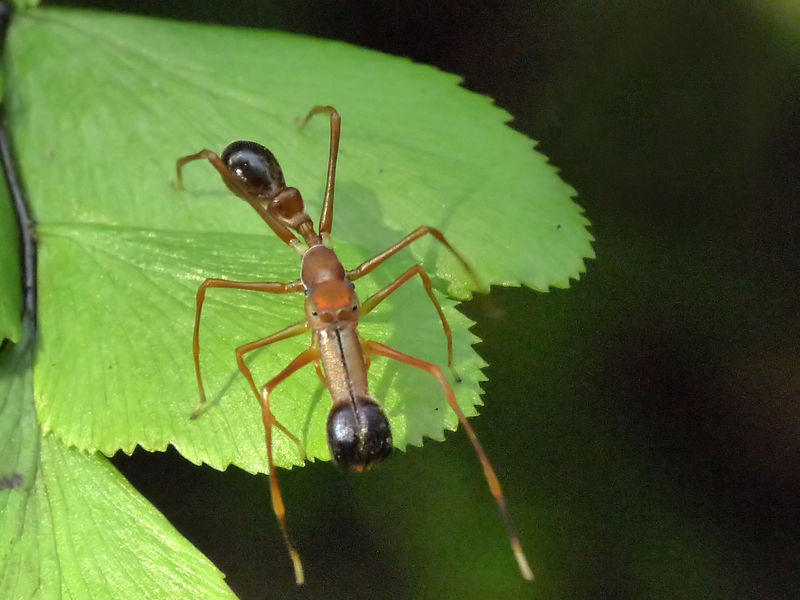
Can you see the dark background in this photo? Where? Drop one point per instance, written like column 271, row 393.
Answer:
column 644, row 423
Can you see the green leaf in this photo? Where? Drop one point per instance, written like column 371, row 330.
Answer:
column 24, row 4
column 10, row 282
column 102, row 105
column 71, row 526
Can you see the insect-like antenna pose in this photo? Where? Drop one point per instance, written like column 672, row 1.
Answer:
column 358, row 431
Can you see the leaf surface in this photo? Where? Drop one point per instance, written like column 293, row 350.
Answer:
column 71, row 526
column 101, row 106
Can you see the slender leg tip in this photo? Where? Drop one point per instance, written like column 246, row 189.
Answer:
column 527, row 574
column 299, row 575
column 522, row 562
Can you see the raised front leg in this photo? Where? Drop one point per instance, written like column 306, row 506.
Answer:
column 326, row 218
